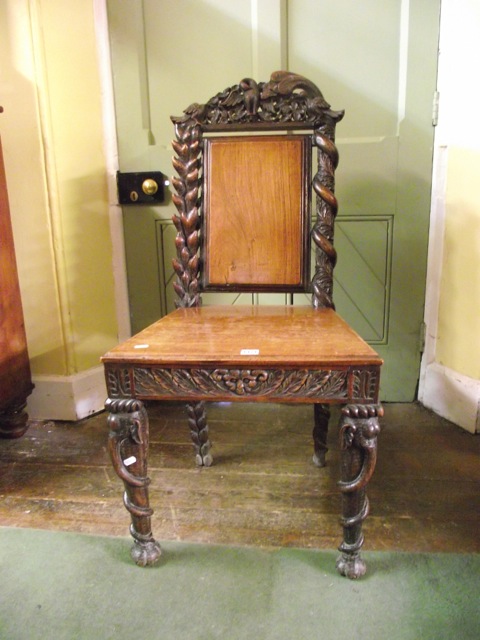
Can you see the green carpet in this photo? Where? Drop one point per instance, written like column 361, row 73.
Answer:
column 68, row 586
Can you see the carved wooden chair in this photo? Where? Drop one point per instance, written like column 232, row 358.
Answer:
column 244, row 225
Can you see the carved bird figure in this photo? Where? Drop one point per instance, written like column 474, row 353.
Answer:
column 251, row 95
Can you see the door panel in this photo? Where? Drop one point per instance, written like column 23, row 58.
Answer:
column 166, row 251
column 352, row 49
column 375, row 60
column 378, row 62
column 183, row 46
column 184, row 42
column 362, row 275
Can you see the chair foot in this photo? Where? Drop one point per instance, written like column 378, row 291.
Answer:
column 320, row 433
column 319, row 459
column 146, row 551
column 204, row 460
column 358, row 439
column 197, row 422
column 351, row 565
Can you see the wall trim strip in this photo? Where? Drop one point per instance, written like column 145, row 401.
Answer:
column 67, row 398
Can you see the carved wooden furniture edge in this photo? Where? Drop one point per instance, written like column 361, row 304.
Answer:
column 342, row 384
column 287, row 98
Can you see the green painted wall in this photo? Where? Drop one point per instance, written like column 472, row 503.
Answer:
column 458, row 343
column 52, row 135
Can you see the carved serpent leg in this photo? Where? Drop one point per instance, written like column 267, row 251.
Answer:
column 320, row 432
column 128, row 448
column 358, row 438
column 197, row 421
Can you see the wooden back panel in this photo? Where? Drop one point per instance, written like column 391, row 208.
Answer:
column 257, row 213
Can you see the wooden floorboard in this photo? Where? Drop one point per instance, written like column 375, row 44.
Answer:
column 263, row 488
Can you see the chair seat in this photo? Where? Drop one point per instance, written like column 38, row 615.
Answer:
column 247, row 336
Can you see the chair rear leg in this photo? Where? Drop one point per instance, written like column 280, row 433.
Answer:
column 320, row 433
column 197, row 422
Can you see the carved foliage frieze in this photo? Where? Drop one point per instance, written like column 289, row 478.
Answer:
column 241, row 383
column 359, row 384
column 365, row 383
column 118, row 382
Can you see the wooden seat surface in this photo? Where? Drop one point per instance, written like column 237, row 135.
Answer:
column 245, row 335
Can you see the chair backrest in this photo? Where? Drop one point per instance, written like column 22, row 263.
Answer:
column 244, row 191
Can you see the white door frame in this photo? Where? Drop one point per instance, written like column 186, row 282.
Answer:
column 111, row 161
column 447, row 392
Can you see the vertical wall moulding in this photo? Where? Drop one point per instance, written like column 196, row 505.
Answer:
column 112, row 166
column 54, row 211
column 77, row 391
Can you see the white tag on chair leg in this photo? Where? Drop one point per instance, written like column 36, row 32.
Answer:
column 128, row 461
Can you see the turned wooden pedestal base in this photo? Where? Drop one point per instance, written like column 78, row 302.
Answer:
column 13, row 421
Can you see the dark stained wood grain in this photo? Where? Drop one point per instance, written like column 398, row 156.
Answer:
column 15, row 378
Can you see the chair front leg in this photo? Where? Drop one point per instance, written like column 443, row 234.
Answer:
column 197, row 422
column 320, row 433
column 359, row 428
column 128, row 448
